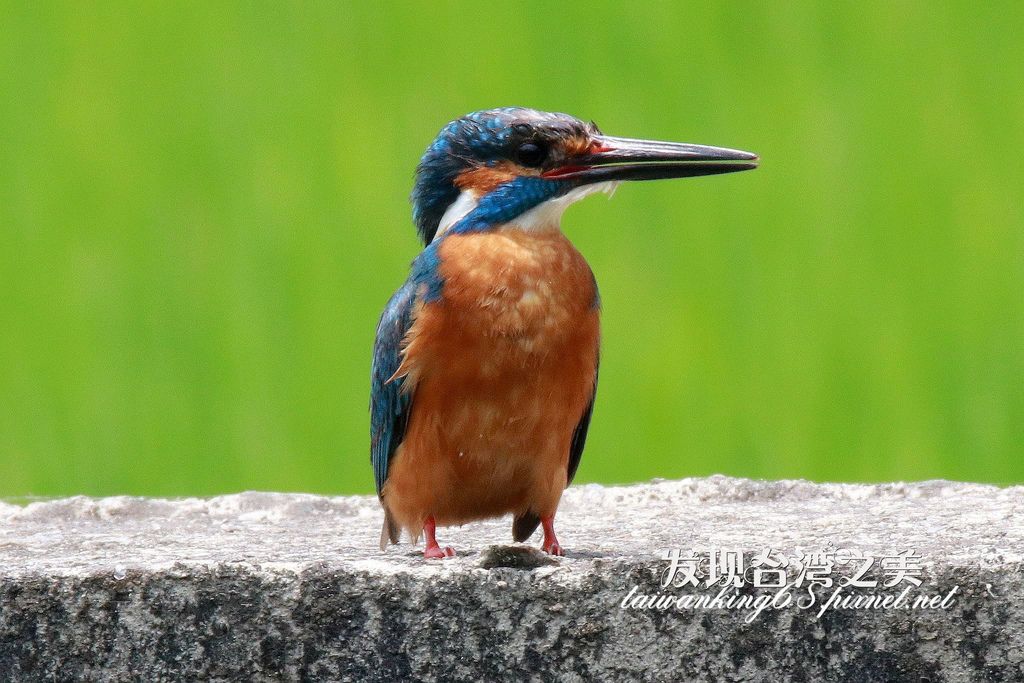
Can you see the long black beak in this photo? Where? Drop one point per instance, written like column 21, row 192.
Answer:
column 611, row 159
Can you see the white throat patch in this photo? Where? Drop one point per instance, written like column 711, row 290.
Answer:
column 549, row 214
column 458, row 209
column 544, row 216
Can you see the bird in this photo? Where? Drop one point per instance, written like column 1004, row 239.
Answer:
column 485, row 362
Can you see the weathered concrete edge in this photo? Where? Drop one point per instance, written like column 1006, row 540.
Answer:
column 341, row 617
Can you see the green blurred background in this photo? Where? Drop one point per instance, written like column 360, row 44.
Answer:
column 203, row 209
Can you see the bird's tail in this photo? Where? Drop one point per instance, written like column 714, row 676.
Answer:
column 389, row 531
column 524, row 525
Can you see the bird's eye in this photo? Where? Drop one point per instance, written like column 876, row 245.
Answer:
column 531, row 154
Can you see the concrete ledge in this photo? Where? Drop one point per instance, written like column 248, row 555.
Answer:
column 264, row 586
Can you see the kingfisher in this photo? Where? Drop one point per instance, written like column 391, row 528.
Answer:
column 486, row 359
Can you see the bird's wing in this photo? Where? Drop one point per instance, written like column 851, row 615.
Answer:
column 579, row 435
column 389, row 404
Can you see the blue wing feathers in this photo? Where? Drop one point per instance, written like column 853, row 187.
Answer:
column 389, row 405
column 579, row 435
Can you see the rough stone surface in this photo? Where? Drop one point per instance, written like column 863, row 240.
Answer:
column 266, row 586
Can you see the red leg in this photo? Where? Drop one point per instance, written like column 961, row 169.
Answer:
column 550, row 545
column 433, row 550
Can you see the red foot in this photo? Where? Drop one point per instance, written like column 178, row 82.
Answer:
column 433, row 551
column 553, row 549
column 436, row 552
column 550, row 545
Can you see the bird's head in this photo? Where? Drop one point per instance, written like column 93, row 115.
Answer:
column 493, row 166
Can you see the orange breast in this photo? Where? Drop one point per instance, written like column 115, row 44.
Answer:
column 502, row 368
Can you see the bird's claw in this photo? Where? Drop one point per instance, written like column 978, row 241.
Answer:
column 438, row 553
column 553, row 548
column 550, row 545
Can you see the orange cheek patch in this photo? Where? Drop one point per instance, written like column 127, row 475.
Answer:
column 581, row 146
column 574, row 148
column 485, row 179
